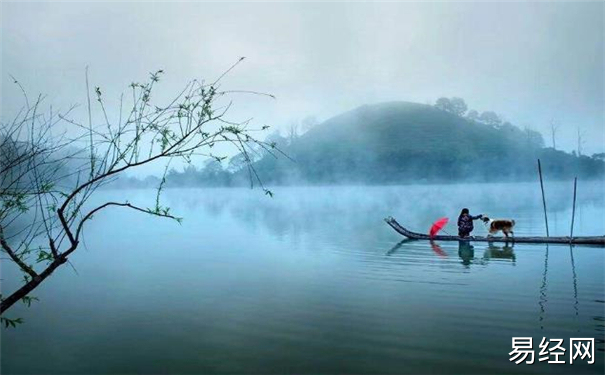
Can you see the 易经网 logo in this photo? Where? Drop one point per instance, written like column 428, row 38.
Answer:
column 552, row 350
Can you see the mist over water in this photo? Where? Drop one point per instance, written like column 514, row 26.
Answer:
column 313, row 280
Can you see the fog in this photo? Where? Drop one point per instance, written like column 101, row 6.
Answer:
column 529, row 62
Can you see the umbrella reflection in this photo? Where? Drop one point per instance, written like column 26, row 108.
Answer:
column 438, row 250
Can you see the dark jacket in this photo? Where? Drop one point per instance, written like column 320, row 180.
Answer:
column 465, row 222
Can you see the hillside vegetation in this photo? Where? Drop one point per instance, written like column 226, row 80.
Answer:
column 403, row 142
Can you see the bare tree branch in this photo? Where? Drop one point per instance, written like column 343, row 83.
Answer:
column 50, row 179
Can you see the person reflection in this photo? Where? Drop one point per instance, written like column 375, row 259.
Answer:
column 466, row 252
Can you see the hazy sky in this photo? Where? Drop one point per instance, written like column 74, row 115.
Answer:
column 529, row 62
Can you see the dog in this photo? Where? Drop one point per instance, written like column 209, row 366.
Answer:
column 496, row 225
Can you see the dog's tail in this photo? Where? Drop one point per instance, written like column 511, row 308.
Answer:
column 512, row 222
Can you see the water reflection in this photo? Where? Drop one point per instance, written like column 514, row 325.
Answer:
column 500, row 252
column 542, row 301
column 543, row 288
column 438, row 250
column 466, row 252
column 575, row 281
column 316, row 270
column 397, row 246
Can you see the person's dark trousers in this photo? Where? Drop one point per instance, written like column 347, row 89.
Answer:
column 462, row 233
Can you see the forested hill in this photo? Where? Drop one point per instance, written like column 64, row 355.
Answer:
column 406, row 142
column 400, row 142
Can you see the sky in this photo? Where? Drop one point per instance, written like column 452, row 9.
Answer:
column 531, row 62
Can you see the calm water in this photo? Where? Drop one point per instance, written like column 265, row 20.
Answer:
column 313, row 281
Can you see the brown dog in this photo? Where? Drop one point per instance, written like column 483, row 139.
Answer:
column 496, row 225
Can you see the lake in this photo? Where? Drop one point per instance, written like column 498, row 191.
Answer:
column 313, row 281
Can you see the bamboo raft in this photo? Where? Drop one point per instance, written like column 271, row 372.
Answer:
column 586, row 240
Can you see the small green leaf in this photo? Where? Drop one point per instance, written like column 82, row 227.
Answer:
column 10, row 322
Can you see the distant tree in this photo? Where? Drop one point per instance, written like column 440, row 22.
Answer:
column 188, row 177
column 444, row 104
column 151, row 181
column 453, row 105
column 236, row 163
column 534, row 138
column 599, row 156
column 293, row 132
column 190, row 124
column 508, row 127
column 276, row 138
column 581, row 141
column 490, row 118
column 190, row 169
column 308, row 123
column 554, row 126
column 472, row 115
column 212, row 167
column 458, row 106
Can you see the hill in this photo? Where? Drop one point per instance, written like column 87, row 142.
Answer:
column 406, row 142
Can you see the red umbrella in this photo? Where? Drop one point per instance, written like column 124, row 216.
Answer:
column 437, row 226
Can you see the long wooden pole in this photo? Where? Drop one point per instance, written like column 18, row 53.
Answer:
column 543, row 198
column 573, row 210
